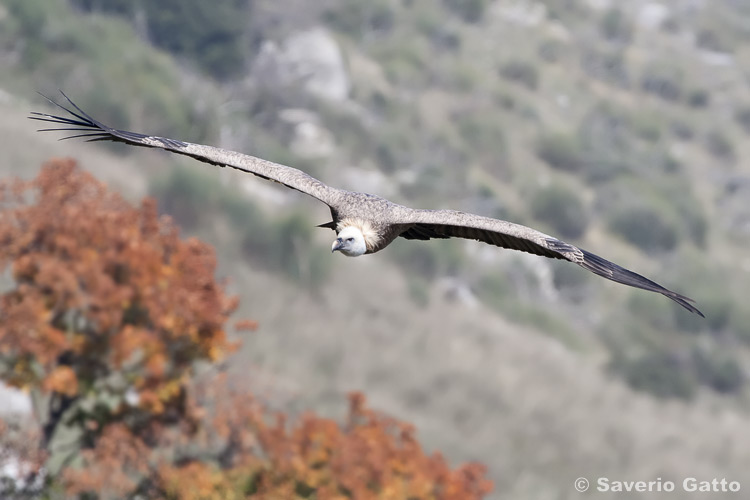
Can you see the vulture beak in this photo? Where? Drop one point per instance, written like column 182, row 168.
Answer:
column 336, row 245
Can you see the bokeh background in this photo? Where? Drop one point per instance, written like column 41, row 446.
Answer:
column 621, row 127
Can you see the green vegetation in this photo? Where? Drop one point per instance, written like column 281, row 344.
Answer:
column 551, row 50
column 209, row 34
column 742, row 115
column 645, row 227
column 571, row 280
column 647, row 126
column 561, row 151
column 497, row 290
column 359, row 17
column 682, row 129
column 199, row 201
column 616, row 26
column 470, row 11
column 663, row 81
column 86, row 57
column 561, row 208
column 638, row 211
column 544, row 321
column 483, row 136
column 670, row 374
column 698, row 98
column 607, row 64
column 428, row 260
column 720, row 145
column 660, row 373
column 521, row 72
column 720, row 372
column 713, row 40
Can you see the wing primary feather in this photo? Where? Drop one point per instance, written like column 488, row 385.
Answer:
column 91, row 134
column 83, row 122
column 52, row 118
column 87, row 127
column 610, row 270
column 72, row 129
column 84, row 118
column 425, row 224
column 86, row 122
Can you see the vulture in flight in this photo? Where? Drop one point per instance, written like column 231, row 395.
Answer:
column 365, row 223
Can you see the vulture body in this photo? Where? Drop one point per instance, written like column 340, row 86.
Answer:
column 366, row 223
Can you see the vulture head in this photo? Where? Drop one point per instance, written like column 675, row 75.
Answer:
column 350, row 242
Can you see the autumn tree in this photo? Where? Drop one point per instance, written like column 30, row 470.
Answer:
column 107, row 316
column 109, row 310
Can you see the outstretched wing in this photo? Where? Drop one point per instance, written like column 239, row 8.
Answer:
column 427, row 224
column 84, row 126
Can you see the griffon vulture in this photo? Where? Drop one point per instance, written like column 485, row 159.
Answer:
column 366, row 223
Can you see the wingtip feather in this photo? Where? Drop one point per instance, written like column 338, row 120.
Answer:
column 610, row 270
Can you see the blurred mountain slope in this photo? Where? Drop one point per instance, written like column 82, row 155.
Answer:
column 637, row 115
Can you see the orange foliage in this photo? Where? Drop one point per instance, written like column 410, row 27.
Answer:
column 109, row 312
column 103, row 287
column 62, row 379
column 371, row 457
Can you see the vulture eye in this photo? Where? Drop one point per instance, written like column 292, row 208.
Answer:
column 350, row 239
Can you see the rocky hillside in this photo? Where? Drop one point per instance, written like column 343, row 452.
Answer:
column 620, row 127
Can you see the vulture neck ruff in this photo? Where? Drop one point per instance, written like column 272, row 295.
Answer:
column 371, row 236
